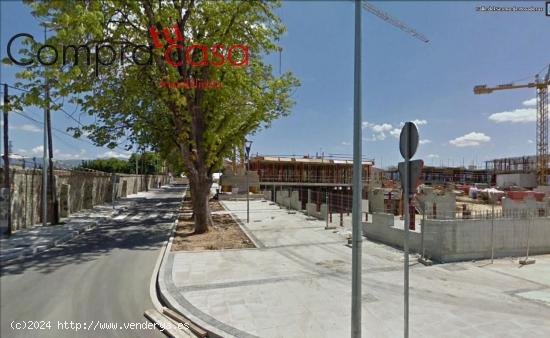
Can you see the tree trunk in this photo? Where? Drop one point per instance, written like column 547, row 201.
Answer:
column 200, row 193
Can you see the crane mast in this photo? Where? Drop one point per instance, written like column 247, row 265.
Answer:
column 541, row 86
column 542, row 128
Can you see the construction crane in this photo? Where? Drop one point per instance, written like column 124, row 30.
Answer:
column 393, row 21
column 541, row 86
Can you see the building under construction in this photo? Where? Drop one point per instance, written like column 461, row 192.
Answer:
column 313, row 179
column 443, row 175
column 515, row 171
column 307, row 171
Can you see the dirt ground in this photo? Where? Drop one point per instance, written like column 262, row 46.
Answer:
column 476, row 205
column 224, row 234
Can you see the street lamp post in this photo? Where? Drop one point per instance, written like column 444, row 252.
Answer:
column 248, row 145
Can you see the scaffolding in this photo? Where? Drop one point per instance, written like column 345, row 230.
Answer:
column 305, row 170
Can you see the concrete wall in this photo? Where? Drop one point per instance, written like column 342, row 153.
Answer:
column 282, row 198
column 527, row 206
column 465, row 240
column 459, row 240
column 376, row 200
column 382, row 230
column 230, row 181
column 445, row 203
column 528, row 180
column 267, row 194
column 4, row 195
column 78, row 190
column 311, row 210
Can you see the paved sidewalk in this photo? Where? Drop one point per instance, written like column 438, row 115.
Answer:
column 298, row 284
column 28, row 242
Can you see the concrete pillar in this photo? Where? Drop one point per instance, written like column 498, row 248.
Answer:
column 64, row 200
column 124, row 191
column 4, row 194
column 88, row 194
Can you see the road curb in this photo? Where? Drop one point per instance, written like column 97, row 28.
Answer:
column 158, row 315
column 174, row 309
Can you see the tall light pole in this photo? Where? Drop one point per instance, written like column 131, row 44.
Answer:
column 357, row 186
column 248, row 145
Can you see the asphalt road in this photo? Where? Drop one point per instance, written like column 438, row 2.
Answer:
column 97, row 280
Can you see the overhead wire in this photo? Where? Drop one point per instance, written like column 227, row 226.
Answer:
column 70, row 116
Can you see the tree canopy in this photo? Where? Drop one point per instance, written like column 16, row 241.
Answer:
column 121, row 85
column 148, row 163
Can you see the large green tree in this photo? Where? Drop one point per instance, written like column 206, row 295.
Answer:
column 127, row 97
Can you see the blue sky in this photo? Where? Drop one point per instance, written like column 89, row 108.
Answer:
column 403, row 80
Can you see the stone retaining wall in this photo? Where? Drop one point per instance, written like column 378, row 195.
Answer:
column 76, row 190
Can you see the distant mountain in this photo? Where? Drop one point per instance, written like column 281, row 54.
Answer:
column 28, row 162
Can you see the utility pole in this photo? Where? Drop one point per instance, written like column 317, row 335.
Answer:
column 55, row 202
column 357, row 237
column 45, row 151
column 6, row 157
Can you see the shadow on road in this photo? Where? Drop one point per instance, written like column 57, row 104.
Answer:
column 143, row 226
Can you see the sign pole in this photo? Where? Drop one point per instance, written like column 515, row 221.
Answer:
column 408, row 143
column 248, row 145
column 406, row 247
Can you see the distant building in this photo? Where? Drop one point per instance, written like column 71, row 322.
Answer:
column 514, row 171
column 442, row 175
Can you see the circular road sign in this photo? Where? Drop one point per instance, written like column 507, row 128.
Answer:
column 408, row 140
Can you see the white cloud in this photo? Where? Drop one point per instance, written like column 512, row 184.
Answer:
column 377, row 128
column 530, row 102
column 37, row 150
column 346, row 143
column 381, row 129
column 470, row 140
column 395, row 132
column 521, row 115
column 529, row 141
column 425, row 141
column 419, row 122
column 111, row 153
column 28, row 127
column 433, row 156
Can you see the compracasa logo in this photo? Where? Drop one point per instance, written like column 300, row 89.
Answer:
column 216, row 55
column 105, row 54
